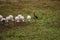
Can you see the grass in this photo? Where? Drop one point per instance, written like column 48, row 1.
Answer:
column 45, row 28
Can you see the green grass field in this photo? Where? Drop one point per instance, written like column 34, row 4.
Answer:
column 47, row 27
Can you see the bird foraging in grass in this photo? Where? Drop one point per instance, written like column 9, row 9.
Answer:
column 9, row 18
column 35, row 16
column 19, row 18
column 28, row 18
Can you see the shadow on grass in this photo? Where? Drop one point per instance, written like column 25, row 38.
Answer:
column 12, row 25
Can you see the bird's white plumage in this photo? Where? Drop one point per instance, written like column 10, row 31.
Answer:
column 9, row 18
column 28, row 17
